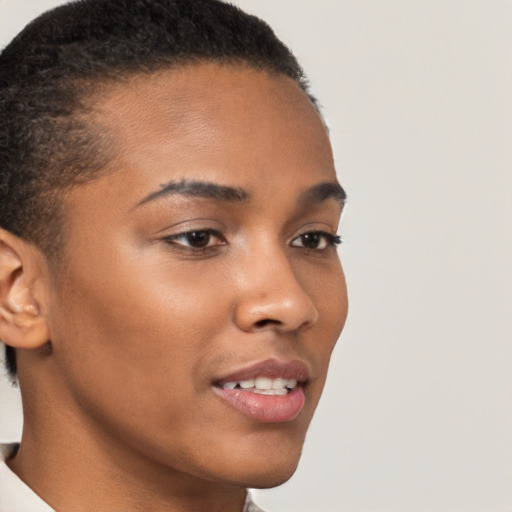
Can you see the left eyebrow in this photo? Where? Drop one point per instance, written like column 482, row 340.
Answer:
column 323, row 192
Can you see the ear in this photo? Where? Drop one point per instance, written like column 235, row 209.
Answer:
column 22, row 322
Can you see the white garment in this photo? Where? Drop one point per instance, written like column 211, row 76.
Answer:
column 17, row 496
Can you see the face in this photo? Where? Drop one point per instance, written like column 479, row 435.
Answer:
column 201, row 293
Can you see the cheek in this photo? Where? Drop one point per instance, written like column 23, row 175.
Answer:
column 332, row 303
column 133, row 329
column 327, row 288
column 135, row 315
column 132, row 350
column 336, row 288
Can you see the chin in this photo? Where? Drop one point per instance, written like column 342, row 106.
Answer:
column 272, row 478
column 269, row 471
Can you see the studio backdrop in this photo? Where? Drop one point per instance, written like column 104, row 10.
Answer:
column 417, row 411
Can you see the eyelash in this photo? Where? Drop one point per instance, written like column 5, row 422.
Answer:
column 329, row 240
column 185, row 236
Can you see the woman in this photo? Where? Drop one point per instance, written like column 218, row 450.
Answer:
column 170, row 287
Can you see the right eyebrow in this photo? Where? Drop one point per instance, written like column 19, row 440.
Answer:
column 198, row 189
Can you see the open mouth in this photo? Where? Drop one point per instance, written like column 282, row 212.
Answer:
column 269, row 392
column 263, row 385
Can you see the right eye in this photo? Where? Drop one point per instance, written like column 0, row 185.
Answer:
column 197, row 239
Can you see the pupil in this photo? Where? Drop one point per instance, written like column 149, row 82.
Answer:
column 311, row 240
column 198, row 238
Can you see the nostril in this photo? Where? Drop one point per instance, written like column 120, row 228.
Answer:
column 265, row 322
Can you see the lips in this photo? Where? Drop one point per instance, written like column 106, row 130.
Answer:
column 269, row 392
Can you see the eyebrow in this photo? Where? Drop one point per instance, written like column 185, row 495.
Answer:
column 199, row 189
column 316, row 194
column 322, row 192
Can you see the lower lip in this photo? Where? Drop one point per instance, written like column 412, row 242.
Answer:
column 265, row 408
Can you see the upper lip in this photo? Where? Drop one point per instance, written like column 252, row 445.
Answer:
column 271, row 368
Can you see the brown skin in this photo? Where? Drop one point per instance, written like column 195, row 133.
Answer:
column 120, row 412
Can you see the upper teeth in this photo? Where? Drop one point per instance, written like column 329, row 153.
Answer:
column 264, row 385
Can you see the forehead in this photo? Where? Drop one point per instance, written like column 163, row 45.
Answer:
column 212, row 112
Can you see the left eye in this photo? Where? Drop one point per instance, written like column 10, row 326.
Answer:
column 199, row 239
column 317, row 240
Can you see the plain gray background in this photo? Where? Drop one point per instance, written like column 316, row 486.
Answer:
column 417, row 415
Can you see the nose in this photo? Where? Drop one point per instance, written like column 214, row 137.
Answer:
column 271, row 297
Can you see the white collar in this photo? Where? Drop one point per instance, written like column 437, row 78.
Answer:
column 16, row 495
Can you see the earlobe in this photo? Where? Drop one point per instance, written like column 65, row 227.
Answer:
column 22, row 323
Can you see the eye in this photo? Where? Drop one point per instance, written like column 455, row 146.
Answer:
column 316, row 240
column 198, row 239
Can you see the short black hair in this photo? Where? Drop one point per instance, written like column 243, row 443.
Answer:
column 49, row 70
